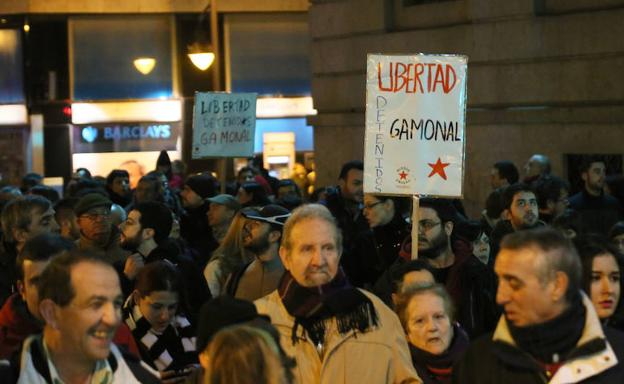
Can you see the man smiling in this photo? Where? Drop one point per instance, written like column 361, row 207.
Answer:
column 81, row 304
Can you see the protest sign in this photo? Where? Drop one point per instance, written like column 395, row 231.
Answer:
column 224, row 124
column 415, row 124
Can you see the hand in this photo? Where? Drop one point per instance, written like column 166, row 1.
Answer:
column 175, row 377
column 134, row 263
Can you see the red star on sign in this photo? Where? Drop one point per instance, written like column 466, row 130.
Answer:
column 403, row 175
column 438, row 168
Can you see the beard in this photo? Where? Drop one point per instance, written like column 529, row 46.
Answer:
column 528, row 221
column 258, row 245
column 131, row 243
column 437, row 245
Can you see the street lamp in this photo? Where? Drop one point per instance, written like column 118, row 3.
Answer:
column 201, row 52
column 202, row 56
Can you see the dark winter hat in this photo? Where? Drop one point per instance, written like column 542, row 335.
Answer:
column 219, row 313
column 163, row 159
column 90, row 201
column 227, row 200
column 203, row 185
column 273, row 214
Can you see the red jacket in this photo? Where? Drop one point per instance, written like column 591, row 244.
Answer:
column 16, row 324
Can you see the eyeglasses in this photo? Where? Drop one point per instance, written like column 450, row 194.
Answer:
column 427, row 225
column 371, row 206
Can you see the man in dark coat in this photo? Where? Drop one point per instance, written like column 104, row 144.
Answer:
column 345, row 204
column 550, row 331
column 469, row 282
column 598, row 211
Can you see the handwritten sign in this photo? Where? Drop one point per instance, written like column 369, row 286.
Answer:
column 224, row 124
column 415, row 123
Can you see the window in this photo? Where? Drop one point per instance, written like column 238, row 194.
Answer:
column 268, row 54
column 104, row 50
column 11, row 75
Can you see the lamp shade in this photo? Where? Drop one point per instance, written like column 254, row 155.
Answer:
column 145, row 64
column 202, row 60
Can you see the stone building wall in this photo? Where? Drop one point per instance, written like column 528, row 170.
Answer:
column 544, row 76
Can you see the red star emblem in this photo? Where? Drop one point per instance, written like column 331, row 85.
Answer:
column 403, row 175
column 438, row 168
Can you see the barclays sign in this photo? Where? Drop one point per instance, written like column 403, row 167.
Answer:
column 128, row 137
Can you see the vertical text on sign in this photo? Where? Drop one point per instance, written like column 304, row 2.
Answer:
column 380, row 104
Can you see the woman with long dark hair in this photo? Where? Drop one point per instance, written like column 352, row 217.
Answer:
column 602, row 277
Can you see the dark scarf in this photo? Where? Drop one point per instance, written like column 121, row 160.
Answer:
column 555, row 337
column 311, row 307
column 438, row 368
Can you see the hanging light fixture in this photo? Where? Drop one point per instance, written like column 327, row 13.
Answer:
column 202, row 56
column 144, row 64
column 202, row 53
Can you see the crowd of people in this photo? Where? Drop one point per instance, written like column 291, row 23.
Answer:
column 176, row 282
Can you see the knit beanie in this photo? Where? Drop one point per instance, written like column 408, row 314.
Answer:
column 219, row 313
column 203, row 185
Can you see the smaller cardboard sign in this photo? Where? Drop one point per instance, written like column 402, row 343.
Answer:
column 224, row 124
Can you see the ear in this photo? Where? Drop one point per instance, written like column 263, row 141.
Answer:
column 283, row 254
column 48, row 310
column 395, row 299
column 584, row 176
column 342, row 183
column 448, row 228
column 20, row 289
column 506, row 215
column 135, row 296
column 274, row 236
column 561, row 283
column 204, row 359
column 20, row 235
column 147, row 233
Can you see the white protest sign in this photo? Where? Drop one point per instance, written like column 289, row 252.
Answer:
column 224, row 124
column 415, row 123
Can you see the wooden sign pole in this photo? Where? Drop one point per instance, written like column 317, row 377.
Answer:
column 415, row 225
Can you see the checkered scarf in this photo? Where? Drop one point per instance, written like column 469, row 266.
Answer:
column 173, row 349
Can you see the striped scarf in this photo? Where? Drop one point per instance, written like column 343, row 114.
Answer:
column 311, row 307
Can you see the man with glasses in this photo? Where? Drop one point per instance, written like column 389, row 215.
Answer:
column 261, row 236
column 97, row 232
column 470, row 283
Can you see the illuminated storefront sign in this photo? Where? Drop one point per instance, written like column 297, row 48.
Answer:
column 126, row 137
